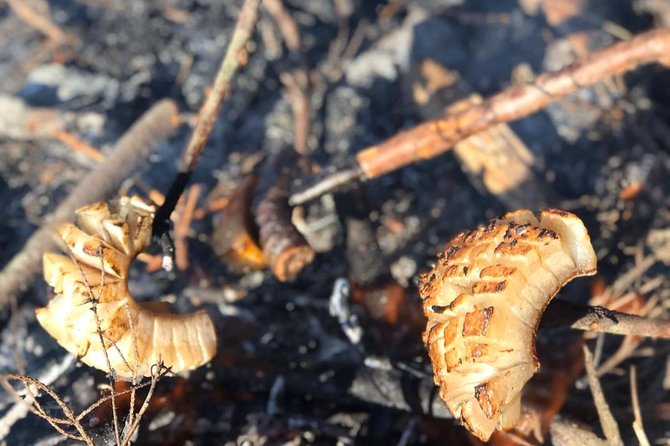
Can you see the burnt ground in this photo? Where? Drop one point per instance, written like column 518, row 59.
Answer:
column 285, row 372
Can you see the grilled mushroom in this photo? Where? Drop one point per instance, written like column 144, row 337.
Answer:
column 91, row 286
column 484, row 300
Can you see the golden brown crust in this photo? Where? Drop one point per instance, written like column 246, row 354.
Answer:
column 484, row 300
column 135, row 336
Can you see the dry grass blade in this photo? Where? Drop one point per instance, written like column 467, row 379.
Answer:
column 607, row 421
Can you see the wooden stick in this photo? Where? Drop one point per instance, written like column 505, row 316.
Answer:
column 234, row 58
column 435, row 137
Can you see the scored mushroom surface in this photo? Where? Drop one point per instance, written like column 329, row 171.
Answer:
column 484, row 300
column 137, row 335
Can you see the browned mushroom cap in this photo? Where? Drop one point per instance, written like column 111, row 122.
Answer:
column 484, row 300
column 136, row 336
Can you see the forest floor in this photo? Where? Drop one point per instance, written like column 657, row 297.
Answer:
column 80, row 72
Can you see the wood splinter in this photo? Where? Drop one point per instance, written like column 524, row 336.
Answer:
column 95, row 317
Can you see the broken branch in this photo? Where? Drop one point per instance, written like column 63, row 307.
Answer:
column 600, row 319
column 435, row 137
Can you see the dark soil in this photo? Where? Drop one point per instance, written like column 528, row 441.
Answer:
column 285, row 371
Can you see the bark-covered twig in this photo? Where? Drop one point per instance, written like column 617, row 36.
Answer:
column 156, row 125
column 234, row 58
column 602, row 320
column 434, row 137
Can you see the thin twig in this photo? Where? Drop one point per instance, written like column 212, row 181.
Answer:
column 22, row 406
column 98, row 324
column 602, row 320
column 234, row 58
column 156, row 125
column 607, row 421
column 40, row 22
column 296, row 83
column 287, row 26
column 638, row 427
column 435, row 137
column 133, row 333
column 78, row 145
column 70, row 419
column 104, row 399
column 626, row 349
column 161, row 371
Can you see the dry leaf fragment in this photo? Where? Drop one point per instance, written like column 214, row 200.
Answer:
column 94, row 280
column 484, row 300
